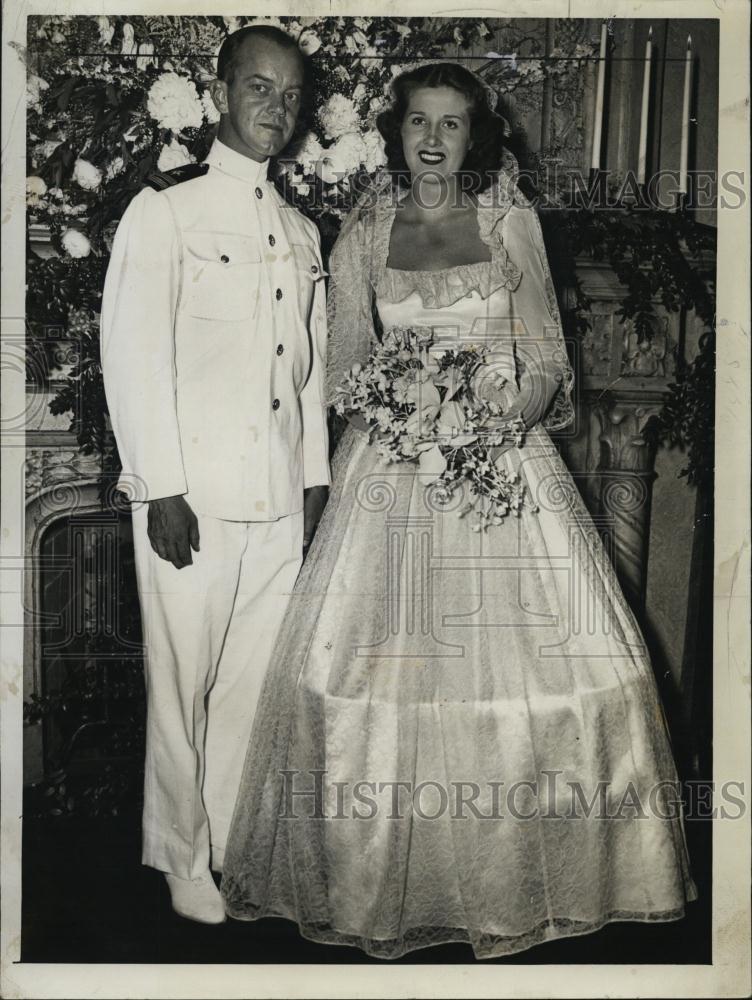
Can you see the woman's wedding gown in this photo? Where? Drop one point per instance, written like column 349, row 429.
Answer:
column 451, row 717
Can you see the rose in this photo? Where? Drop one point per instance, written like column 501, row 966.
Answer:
column 339, row 116
column 86, row 175
column 35, row 189
column 174, row 103
column 174, row 154
column 76, row 243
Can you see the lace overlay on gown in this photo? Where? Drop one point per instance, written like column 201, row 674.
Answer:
column 417, row 651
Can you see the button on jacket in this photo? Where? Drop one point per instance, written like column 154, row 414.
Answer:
column 213, row 344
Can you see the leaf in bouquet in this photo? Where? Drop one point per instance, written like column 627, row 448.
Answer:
column 431, row 462
column 420, row 422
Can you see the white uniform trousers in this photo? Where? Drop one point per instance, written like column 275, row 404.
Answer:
column 209, row 630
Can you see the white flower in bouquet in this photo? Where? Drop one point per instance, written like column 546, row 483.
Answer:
column 309, row 42
column 76, row 243
column 174, row 154
column 310, row 153
column 233, row 24
column 174, row 103
column 338, row 116
column 302, row 187
column 86, row 175
column 106, row 29
column 374, row 152
column 114, row 168
column 35, row 190
column 210, row 108
column 34, row 87
column 341, row 159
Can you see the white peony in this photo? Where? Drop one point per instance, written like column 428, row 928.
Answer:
column 210, row 108
column 341, row 159
column 375, row 154
column 76, row 244
column 174, row 154
column 309, row 153
column 174, row 102
column 309, row 42
column 86, row 175
column 339, row 116
column 35, row 189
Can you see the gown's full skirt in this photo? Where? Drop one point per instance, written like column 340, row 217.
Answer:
column 460, row 736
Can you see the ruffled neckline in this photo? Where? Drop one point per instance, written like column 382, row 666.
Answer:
column 445, row 286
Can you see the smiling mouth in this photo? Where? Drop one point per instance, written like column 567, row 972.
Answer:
column 431, row 159
column 274, row 128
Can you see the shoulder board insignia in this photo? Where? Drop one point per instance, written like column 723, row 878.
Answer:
column 162, row 179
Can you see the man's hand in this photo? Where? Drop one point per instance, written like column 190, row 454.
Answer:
column 314, row 501
column 173, row 530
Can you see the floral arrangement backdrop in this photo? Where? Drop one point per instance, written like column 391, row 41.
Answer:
column 112, row 99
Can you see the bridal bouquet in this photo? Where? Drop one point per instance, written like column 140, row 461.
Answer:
column 422, row 404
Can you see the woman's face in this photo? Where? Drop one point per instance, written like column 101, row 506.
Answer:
column 436, row 132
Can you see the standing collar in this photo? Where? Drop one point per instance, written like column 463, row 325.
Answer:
column 235, row 164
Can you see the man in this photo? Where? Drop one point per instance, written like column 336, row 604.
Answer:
column 213, row 349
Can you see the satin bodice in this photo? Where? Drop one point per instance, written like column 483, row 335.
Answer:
column 467, row 319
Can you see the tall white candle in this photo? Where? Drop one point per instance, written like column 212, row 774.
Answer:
column 598, row 124
column 684, row 153
column 644, row 113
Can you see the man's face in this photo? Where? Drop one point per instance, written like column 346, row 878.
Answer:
column 260, row 105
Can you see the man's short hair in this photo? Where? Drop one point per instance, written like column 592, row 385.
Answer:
column 229, row 50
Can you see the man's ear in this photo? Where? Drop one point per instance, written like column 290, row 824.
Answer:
column 218, row 91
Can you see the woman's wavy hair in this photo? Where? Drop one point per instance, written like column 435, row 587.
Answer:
column 487, row 129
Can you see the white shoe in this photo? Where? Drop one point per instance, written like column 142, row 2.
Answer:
column 197, row 898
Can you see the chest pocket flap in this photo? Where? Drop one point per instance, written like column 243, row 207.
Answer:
column 221, row 275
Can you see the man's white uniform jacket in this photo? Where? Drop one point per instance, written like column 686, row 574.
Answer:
column 214, row 341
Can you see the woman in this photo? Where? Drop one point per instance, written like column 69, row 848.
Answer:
column 451, row 716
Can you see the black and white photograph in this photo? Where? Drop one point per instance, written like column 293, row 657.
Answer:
column 376, row 484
